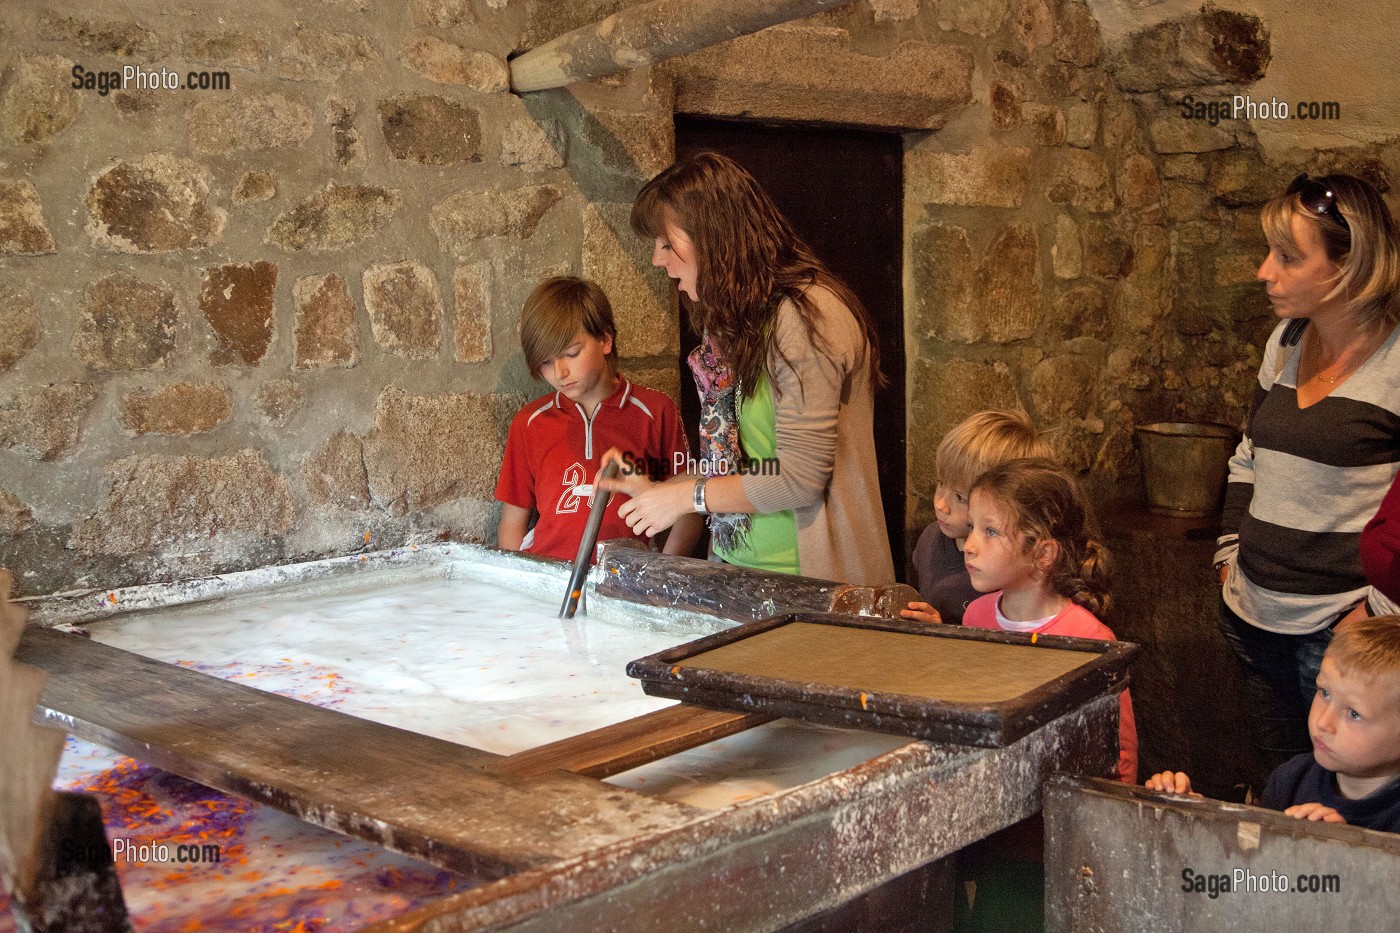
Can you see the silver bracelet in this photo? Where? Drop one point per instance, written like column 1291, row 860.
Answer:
column 699, row 495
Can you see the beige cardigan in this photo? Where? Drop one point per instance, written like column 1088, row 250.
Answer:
column 826, row 446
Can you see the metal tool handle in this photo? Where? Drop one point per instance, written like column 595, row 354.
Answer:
column 590, row 538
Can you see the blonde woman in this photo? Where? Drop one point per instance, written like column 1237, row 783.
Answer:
column 1320, row 450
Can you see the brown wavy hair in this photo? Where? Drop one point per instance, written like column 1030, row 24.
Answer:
column 556, row 311
column 748, row 257
column 1043, row 503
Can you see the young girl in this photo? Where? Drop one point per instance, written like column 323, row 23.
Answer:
column 1030, row 551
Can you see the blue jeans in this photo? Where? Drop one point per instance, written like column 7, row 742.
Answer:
column 1280, row 674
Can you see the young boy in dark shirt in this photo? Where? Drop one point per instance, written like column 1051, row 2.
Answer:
column 1353, row 773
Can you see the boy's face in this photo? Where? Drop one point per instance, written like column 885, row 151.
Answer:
column 1355, row 723
column 582, row 372
column 950, row 511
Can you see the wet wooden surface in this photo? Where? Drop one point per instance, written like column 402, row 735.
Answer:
column 625, row 745
column 412, row 793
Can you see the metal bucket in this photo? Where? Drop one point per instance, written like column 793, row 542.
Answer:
column 1184, row 466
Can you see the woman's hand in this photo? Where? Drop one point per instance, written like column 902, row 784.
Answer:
column 629, row 481
column 921, row 612
column 653, row 507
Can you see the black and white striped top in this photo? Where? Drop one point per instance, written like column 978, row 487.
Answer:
column 1302, row 485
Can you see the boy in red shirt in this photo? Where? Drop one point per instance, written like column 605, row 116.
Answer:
column 556, row 442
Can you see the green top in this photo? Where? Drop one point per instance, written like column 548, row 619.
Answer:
column 772, row 540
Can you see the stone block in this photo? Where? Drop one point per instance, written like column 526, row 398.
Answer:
column 1048, row 121
column 277, row 400
column 45, row 423
column 136, row 102
column 894, row 10
column 335, row 475
column 237, row 301
column 334, row 218
column 1009, row 283
column 446, row 63
column 405, row 308
column 118, row 38
column 1081, row 311
column 944, row 280
column 1005, row 105
column 325, row 327
column 156, row 205
column 248, row 122
column 1082, row 124
column 227, row 47
column 255, row 186
column 643, row 299
column 1107, row 254
column 1077, row 34
column 1079, row 177
column 945, row 391
column 425, row 450
column 170, row 504
column 125, row 323
column 181, row 409
column 974, row 17
column 529, row 146
column 1184, row 167
column 15, row 516
column 1064, row 386
column 1171, row 132
column 1067, row 252
column 317, row 55
column 664, row 380
column 546, row 21
column 38, row 101
column 430, row 130
column 815, row 75
column 631, row 145
column 19, row 328
column 468, row 216
column 1209, row 47
column 1034, row 25
column 22, row 228
column 984, row 177
column 444, row 14
column 347, row 147
column 1138, row 186
column 471, row 299
column 1239, row 177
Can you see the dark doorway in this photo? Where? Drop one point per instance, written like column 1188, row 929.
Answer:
column 844, row 192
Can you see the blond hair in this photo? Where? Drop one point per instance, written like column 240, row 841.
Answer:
column 556, row 311
column 983, row 440
column 1368, row 648
column 1367, row 253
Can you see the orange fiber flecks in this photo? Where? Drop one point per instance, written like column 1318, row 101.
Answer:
column 863, row 696
column 112, row 597
column 366, row 537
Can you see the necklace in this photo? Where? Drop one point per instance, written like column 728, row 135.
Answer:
column 1360, row 359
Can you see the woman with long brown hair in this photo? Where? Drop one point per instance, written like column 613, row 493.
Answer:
column 786, row 368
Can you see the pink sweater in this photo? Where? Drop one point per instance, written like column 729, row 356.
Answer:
column 1076, row 622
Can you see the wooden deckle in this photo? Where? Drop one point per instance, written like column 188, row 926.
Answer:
column 944, row 669
column 416, row 794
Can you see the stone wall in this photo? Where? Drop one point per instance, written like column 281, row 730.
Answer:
column 277, row 321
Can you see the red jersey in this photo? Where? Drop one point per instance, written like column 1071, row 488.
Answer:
column 554, row 451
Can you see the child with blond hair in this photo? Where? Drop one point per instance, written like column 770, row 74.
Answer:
column 973, row 446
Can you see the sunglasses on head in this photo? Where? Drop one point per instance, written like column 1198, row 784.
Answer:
column 1317, row 198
